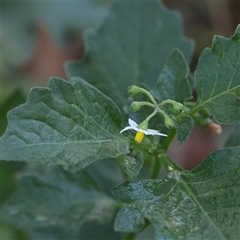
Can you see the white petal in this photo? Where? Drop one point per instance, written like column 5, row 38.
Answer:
column 126, row 128
column 141, row 130
column 134, row 126
column 160, row 134
column 132, row 123
column 154, row 132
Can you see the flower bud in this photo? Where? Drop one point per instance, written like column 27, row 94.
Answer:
column 168, row 121
column 178, row 107
column 132, row 90
column 135, row 106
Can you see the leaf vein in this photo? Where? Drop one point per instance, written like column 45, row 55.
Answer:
column 230, row 82
column 67, row 118
column 188, row 190
column 216, row 77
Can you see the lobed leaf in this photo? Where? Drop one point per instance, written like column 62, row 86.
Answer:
column 202, row 203
column 217, row 78
column 130, row 47
column 68, row 123
column 57, row 199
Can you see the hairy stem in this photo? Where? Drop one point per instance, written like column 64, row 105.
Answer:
column 169, row 139
column 172, row 102
column 149, row 95
column 148, row 104
column 151, row 115
column 156, row 167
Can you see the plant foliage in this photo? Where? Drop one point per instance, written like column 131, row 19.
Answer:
column 87, row 126
column 196, row 204
column 139, row 46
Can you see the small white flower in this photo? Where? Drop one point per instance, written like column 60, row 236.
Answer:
column 140, row 132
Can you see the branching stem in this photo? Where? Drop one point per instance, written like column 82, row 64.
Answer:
column 149, row 95
column 169, row 139
column 151, row 115
column 167, row 101
column 156, row 167
column 148, row 104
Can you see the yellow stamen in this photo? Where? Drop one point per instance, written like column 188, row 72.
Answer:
column 139, row 137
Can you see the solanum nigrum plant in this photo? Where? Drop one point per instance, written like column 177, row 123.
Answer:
column 101, row 139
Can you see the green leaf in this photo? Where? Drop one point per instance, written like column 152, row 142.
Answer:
column 131, row 163
column 48, row 233
column 173, row 80
column 68, row 123
column 217, row 77
column 56, row 199
column 108, row 174
column 191, row 81
column 184, row 125
column 9, row 170
column 130, row 47
column 237, row 93
column 173, row 84
column 202, row 203
column 234, row 138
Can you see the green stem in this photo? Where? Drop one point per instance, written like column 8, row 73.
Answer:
column 156, row 167
column 194, row 110
column 149, row 95
column 129, row 236
column 169, row 163
column 169, row 139
column 151, row 115
column 144, row 124
column 167, row 101
column 190, row 104
column 148, row 104
column 166, row 117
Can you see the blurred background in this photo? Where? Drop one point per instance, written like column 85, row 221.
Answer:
column 37, row 38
